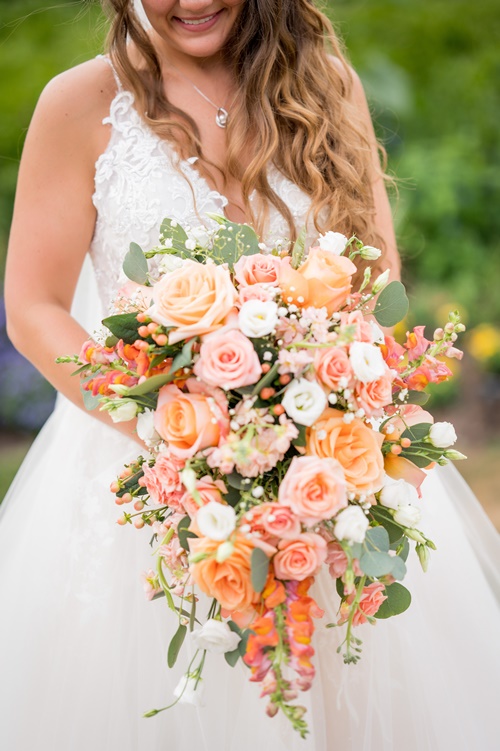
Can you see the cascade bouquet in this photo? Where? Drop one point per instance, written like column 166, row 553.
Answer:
column 284, row 434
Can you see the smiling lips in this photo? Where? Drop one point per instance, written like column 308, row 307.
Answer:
column 198, row 24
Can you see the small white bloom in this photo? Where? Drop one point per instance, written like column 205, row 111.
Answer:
column 397, row 493
column 351, row 524
column 170, row 262
column 215, row 636
column 332, row 398
column 377, row 333
column 224, row 551
column 124, row 411
column 216, row 520
column 348, row 417
column 407, row 515
column 190, row 690
column 258, row 491
column 380, row 282
column 442, row 435
column 258, row 318
column 369, row 253
column 146, row 427
column 335, row 242
column 201, row 236
column 190, row 243
column 366, row 361
column 304, row 401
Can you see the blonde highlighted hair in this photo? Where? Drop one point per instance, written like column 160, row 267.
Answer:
column 294, row 98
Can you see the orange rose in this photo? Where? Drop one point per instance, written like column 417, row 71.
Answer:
column 189, row 422
column 323, row 280
column 229, row 582
column 356, row 446
column 194, row 299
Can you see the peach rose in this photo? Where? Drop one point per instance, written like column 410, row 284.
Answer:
column 374, row 395
column 356, row 446
column 323, row 280
column 299, row 558
column 371, row 599
column 336, row 559
column 313, row 488
column 163, row 481
column 272, row 520
column 257, row 269
column 230, row 581
column 332, row 364
column 363, row 331
column 194, row 299
column 228, row 361
column 208, row 489
column 189, row 422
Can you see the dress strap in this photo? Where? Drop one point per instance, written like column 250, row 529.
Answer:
column 115, row 74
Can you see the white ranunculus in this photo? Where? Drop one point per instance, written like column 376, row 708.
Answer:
column 124, row 411
column 170, row 262
column 146, row 427
column 335, row 242
column 189, row 691
column 407, row 515
column 397, row 493
column 258, row 318
column 216, row 520
column 377, row 333
column 351, row 524
column 215, row 636
column 366, row 361
column 304, row 401
column 442, row 435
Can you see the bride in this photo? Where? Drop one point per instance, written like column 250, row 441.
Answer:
column 203, row 106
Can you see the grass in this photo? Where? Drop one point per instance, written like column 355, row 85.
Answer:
column 12, row 453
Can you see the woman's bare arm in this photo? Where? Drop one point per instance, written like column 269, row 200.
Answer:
column 54, row 220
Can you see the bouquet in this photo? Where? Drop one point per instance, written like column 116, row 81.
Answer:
column 283, row 433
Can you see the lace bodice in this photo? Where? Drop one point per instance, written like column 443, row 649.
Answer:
column 139, row 180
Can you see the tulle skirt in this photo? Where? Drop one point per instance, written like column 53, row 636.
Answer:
column 83, row 653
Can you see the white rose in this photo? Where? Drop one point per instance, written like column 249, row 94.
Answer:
column 335, row 242
column 367, row 362
column 351, row 524
column 442, row 435
column 215, row 636
column 258, row 318
column 189, row 691
column 124, row 411
column 304, row 401
column 170, row 262
column 146, row 427
column 216, row 520
column 397, row 493
column 407, row 515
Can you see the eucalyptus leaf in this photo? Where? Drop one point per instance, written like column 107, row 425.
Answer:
column 301, row 438
column 235, row 628
column 398, row 600
column 259, row 564
column 374, row 563
column 234, row 241
column 417, row 397
column 417, row 432
column 90, row 401
column 135, row 265
column 232, row 657
column 175, row 645
column 392, row 305
column 237, row 481
column 124, row 326
column 377, row 539
column 398, row 570
column 172, row 230
column 233, row 496
column 419, row 461
column 242, row 646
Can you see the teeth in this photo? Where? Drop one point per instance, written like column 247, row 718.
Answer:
column 200, row 20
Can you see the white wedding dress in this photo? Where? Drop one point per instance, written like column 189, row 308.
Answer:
column 83, row 653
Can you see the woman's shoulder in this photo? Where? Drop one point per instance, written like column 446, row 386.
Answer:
column 74, row 103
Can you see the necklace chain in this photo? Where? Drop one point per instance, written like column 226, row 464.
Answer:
column 221, row 115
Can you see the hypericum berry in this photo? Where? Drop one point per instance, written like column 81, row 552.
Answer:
column 141, row 317
column 161, row 339
column 139, row 505
column 396, row 449
column 405, row 443
column 143, row 331
column 267, row 392
column 152, row 327
column 139, row 523
column 114, row 487
column 285, row 378
column 278, row 409
column 265, row 367
column 126, row 498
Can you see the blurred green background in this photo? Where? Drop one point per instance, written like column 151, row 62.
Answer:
column 431, row 70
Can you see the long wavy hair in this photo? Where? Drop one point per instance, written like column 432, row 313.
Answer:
column 292, row 97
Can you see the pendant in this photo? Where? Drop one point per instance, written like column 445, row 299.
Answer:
column 221, row 117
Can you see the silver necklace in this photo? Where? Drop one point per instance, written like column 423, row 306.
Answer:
column 221, row 115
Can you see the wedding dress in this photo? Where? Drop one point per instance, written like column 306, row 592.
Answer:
column 83, row 653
